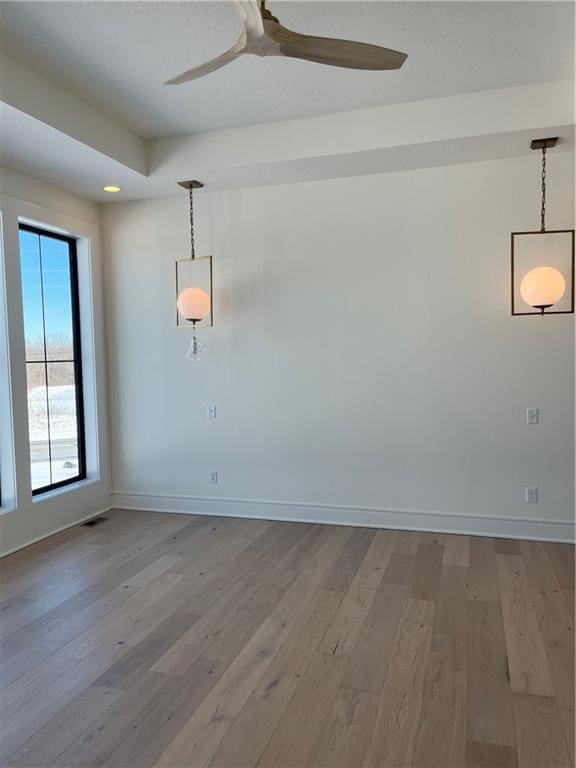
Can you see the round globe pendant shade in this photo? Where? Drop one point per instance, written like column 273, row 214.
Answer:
column 542, row 287
column 193, row 304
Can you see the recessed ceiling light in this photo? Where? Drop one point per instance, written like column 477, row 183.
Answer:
column 111, row 188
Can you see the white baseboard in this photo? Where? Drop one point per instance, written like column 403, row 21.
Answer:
column 407, row 520
column 55, row 532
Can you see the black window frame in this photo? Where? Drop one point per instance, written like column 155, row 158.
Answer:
column 77, row 361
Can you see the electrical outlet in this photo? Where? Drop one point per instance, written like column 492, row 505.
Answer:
column 532, row 416
column 213, row 476
column 210, row 411
column 531, row 495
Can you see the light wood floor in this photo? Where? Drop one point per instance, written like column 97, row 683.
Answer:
column 178, row 641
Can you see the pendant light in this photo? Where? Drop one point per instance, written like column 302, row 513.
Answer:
column 193, row 285
column 545, row 259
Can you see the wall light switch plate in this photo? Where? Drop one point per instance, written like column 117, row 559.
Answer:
column 210, row 411
column 532, row 415
column 531, row 495
column 213, row 476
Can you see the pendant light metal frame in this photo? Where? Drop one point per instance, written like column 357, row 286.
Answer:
column 208, row 322
column 542, row 145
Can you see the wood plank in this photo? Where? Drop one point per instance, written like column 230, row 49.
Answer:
column 142, row 656
column 407, row 543
column 203, row 732
column 193, row 551
column 567, row 717
column 179, row 657
column 425, row 581
column 97, row 742
column 246, row 739
column 346, row 565
column 60, row 628
column 345, row 734
column 371, row 656
column 539, row 732
column 155, row 729
column 245, row 621
column 24, row 612
column 120, row 625
column 562, row 557
column 399, row 569
column 394, row 736
column 157, row 568
column 53, row 738
column 33, row 711
column 483, row 578
column 507, row 547
column 226, row 551
column 22, row 691
column 441, row 736
column 490, row 716
column 37, row 582
column 454, row 583
column 118, row 554
column 51, row 630
column 483, row 755
column 227, row 624
column 554, row 620
column 295, row 739
column 452, row 611
column 31, row 557
column 47, row 552
column 456, row 550
column 527, row 661
column 71, row 598
column 342, row 635
column 252, row 565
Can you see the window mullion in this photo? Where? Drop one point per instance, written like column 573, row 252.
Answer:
column 45, row 358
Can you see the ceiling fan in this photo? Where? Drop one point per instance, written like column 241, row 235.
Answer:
column 263, row 35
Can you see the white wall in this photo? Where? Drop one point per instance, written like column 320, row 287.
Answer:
column 22, row 519
column 364, row 362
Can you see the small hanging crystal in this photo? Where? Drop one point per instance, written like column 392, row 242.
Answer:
column 195, row 350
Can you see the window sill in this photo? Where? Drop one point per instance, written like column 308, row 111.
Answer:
column 64, row 490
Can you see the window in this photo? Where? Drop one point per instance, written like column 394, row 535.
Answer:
column 53, row 361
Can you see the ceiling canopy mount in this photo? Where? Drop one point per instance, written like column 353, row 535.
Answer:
column 193, row 184
column 544, row 143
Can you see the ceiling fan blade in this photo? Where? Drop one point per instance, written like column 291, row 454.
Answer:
column 263, row 35
column 212, row 65
column 331, row 51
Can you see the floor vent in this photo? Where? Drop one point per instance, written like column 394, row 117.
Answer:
column 95, row 521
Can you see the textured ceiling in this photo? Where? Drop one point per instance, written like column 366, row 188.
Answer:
column 116, row 55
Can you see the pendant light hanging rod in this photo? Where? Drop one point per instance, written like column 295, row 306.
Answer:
column 543, row 144
column 191, row 192
column 191, row 186
column 543, row 204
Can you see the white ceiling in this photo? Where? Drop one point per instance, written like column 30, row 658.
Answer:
column 116, row 55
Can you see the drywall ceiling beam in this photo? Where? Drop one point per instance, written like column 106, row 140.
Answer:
column 395, row 159
column 453, row 118
column 33, row 94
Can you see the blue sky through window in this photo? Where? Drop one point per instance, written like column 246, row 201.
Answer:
column 46, row 292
